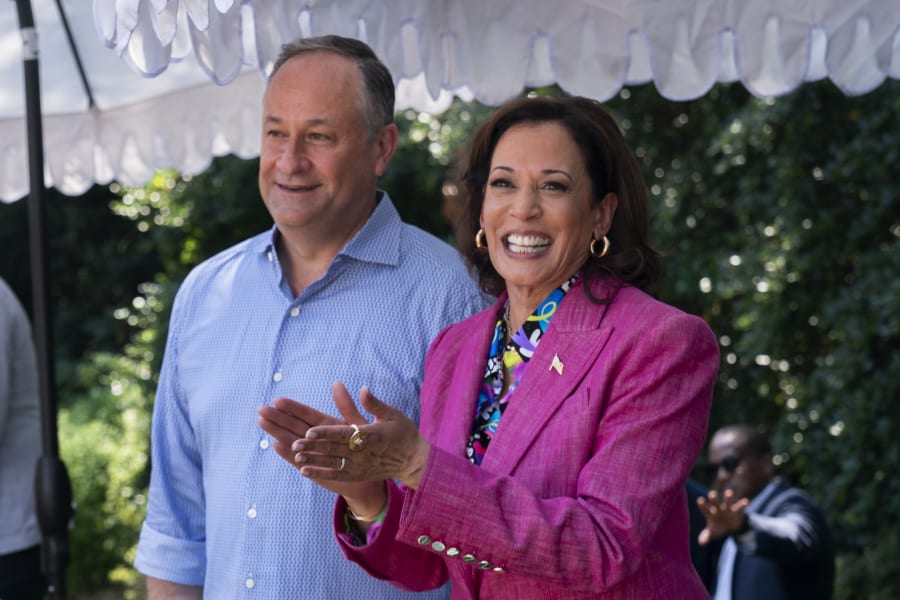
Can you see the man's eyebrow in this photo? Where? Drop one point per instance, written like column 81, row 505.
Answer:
column 278, row 120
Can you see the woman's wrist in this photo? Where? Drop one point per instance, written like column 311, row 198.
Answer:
column 360, row 509
column 374, row 517
column 416, row 464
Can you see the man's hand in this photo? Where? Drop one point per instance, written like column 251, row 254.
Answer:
column 391, row 446
column 287, row 421
column 724, row 516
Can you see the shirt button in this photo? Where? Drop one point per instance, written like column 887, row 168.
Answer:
column 484, row 565
column 452, row 552
column 439, row 546
column 270, row 256
column 499, row 570
column 277, row 377
column 251, row 512
column 249, row 583
column 423, row 540
column 295, row 311
column 469, row 558
column 264, row 443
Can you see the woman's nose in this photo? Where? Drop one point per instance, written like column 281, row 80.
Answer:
column 526, row 204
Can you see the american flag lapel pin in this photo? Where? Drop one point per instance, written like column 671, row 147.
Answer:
column 556, row 365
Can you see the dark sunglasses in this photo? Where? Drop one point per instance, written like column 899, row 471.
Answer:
column 729, row 463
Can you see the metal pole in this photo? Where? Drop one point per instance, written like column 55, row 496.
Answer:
column 52, row 488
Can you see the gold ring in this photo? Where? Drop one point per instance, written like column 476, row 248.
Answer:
column 343, row 463
column 357, row 439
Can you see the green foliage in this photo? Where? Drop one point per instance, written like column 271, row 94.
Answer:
column 420, row 179
column 103, row 439
column 872, row 573
column 781, row 221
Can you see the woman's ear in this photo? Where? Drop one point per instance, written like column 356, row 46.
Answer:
column 604, row 211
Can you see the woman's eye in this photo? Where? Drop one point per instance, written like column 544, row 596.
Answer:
column 557, row 186
column 500, row 182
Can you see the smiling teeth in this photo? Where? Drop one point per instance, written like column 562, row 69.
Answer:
column 527, row 244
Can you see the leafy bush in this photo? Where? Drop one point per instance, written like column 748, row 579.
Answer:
column 103, row 439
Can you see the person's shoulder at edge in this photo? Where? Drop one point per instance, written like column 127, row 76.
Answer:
column 16, row 327
column 8, row 298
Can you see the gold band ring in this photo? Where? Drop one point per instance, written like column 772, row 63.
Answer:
column 357, row 439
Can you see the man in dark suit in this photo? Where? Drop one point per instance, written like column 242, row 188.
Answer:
column 776, row 543
column 703, row 557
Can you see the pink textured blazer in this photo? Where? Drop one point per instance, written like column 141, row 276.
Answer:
column 581, row 493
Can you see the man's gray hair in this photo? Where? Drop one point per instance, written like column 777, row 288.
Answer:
column 378, row 85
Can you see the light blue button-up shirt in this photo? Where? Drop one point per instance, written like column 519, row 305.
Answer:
column 225, row 511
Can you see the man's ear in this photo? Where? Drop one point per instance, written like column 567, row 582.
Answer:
column 386, row 145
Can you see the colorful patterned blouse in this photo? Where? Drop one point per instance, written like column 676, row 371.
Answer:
column 513, row 355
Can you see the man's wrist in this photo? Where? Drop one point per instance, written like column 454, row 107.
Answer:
column 744, row 527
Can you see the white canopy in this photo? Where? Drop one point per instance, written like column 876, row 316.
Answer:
column 203, row 64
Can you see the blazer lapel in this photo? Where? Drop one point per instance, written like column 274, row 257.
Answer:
column 565, row 354
column 454, row 425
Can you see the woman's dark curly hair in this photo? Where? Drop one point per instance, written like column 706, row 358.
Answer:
column 611, row 166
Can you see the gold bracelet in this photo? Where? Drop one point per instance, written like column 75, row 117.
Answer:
column 368, row 519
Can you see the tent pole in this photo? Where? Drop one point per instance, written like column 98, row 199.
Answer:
column 52, row 488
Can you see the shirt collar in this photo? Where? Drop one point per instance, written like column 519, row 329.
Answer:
column 761, row 498
column 377, row 241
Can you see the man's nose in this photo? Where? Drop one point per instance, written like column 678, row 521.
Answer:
column 722, row 474
column 293, row 157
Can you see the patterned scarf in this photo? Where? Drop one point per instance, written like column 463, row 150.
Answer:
column 513, row 356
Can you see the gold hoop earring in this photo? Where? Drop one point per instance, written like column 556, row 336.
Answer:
column 480, row 239
column 603, row 252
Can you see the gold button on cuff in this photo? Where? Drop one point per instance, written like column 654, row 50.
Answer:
column 424, row 540
column 439, row 546
column 468, row 558
column 452, row 552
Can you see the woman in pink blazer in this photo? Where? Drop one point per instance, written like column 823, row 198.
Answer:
column 558, row 427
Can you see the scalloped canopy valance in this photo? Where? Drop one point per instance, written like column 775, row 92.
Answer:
column 171, row 83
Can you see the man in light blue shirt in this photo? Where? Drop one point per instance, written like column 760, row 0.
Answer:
column 20, row 448
column 339, row 289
